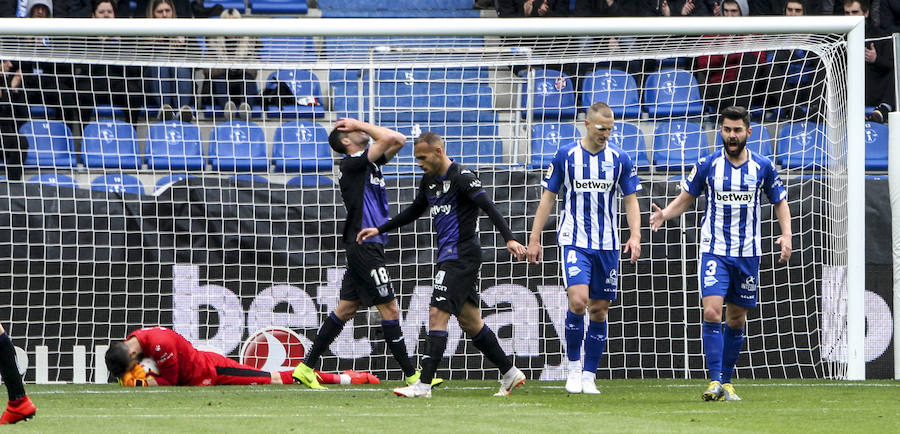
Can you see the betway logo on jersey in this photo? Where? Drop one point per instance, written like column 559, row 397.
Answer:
column 376, row 180
column 735, row 197
column 593, row 185
column 438, row 209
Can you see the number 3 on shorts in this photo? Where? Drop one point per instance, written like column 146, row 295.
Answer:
column 380, row 276
column 710, row 268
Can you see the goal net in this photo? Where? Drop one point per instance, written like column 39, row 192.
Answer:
column 186, row 182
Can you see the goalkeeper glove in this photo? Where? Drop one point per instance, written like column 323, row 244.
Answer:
column 137, row 377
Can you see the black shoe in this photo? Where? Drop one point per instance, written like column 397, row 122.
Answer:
column 880, row 113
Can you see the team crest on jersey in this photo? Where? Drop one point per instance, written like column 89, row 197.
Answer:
column 606, row 166
column 750, row 179
column 446, row 186
column 574, row 270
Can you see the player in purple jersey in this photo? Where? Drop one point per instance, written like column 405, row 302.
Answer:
column 366, row 281
column 454, row 197
column 732, row 179
column 591, row 174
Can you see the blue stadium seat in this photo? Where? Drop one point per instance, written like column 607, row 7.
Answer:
column 310, row 180
column 630, row 139
column 472, row 145
column 296, row 7
column 405, row 99
column 672, row 92
column 801, row 145
column 111, row 144
column 238, row 146
column 306, row 90
column 760, row 141
column 670, row 138
column 346, row 97
column 118, row 183
column 50, row 144
column 174, row 145
column 283, row 48
column 614, row 87
column 249, row 177
column 553, row 93
column 546, row 139
column 171, row 179
column 876, row 146
column 229, row 4
column 42, row 111
column 54, row 179
column 108, row 111
column 301, row 146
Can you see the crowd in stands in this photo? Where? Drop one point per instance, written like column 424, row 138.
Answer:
column 76, row 93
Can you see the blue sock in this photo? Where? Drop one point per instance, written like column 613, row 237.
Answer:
column 731, row 349
column 712, row 347
column 594, row 345
column 574, row 335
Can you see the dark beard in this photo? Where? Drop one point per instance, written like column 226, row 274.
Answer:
column 738, row 152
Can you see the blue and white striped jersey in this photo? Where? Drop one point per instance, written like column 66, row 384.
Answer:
column 590, row 213
column 731, row 224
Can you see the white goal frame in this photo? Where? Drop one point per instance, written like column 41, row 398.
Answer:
column 852, row 27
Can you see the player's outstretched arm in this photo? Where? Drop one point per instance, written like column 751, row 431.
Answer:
column 535, row 251
column 487, row 205
column 387, row 142
column 783, row 213
column 675, row 208
column 633, row 215
column 408, row 215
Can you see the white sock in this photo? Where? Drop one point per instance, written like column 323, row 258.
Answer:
column 575, row 366
column 588, row 376
column 345, row 379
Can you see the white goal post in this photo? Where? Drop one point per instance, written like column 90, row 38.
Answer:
column 845, row 283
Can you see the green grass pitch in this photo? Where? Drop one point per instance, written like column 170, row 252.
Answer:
column 795, row 406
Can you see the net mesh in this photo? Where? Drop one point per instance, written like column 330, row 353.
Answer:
column 237, row 223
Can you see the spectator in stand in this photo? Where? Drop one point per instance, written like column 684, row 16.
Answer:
column 729, row 80
column 183, row 9
column 73, row 8
column 614, row 8
column 681, row 8
column 795, row 76
column 12, row 114
column 879, row 57
column 233, row 88
column 169, row 86
column 46, row 84
column 890, row 16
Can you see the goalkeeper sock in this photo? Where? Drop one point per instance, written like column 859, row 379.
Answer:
column 712, row 347
column 594, row 345
column 731, row 349
column 286, row 377
column 9, row 370
column 393, row 337
column 329, row 378
column 574, row 335
column 437, row 343
column 329, row 330
column 486, row 342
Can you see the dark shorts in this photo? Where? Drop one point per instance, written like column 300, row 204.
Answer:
column 366, row 279
column 455, row 283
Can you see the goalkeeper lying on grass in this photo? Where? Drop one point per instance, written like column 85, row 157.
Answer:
column 178, row 363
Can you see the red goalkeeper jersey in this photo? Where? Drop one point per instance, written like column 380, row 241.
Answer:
column 180, row 364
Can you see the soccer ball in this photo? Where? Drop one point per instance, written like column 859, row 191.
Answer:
column 150, row 366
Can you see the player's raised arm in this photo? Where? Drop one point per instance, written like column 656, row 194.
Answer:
column 633, row 215
column 675, row 208
column 408, row 215
column 535, row 251
column 387, row 142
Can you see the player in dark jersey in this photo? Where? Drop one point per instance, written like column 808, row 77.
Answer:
column 19, row 406
column 180, row 364
column 366, row 281
column 453, row 195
